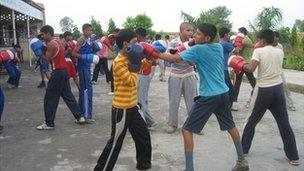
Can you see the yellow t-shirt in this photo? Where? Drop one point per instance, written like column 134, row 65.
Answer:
column 125, row 83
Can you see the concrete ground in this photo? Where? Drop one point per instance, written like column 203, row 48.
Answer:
column 77, row 147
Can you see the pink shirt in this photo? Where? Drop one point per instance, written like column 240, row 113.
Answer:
column 104, row 52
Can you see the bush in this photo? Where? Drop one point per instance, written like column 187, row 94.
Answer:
column 294, row 61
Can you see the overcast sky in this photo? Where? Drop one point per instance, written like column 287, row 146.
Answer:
column 165, row 14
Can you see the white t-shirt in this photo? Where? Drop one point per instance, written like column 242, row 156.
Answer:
column 270, row 61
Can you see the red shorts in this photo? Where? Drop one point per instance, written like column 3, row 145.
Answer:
column 71, row 68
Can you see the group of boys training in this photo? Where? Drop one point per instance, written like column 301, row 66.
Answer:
column 190, row 55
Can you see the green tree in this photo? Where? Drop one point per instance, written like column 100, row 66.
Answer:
column 302, row 43
column 293, row 36
column 66, row 24
column 299, row 24
column 284, row 35
column 76, row 33
column 111, row 26
column 140, row 20
column 217, row 16
column 268, row 18
column 96, row 27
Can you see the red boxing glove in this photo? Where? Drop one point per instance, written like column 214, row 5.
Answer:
column 185, row 45
column 236, row 62
column 149, row 50
column 105, row 40
column 71, row 44
column 6, row 55
column 112, row 38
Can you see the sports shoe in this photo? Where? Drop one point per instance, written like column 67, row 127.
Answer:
column 111, row 93
column 247, row 104
column 44, row 127
column 170, row 129
column 293, row 162
column 152, row 126
column 235, row 106
column 41, row 85
column 81, row 120
column 241, row 165
column 291, row 108
column 89, row 121
column 10, row 86
column 162, row 80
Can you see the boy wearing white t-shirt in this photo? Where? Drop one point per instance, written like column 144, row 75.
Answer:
column 270, row 95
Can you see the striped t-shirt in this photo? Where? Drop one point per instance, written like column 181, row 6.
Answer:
column 125, row 83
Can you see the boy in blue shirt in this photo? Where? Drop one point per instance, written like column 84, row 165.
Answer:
column 227, row 49
column 213, row 92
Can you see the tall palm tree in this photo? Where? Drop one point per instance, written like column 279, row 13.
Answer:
column 217, row 16
column 268, row 18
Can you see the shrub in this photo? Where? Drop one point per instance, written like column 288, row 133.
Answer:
column 294, row 61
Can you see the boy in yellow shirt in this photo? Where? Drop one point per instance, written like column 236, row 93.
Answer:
column 126, row 113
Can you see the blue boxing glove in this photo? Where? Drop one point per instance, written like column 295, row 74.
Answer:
column 97, row 46
column 37, row 47
column 93, row 37
column 134, row 52
column 160, row 45
column 89, row 58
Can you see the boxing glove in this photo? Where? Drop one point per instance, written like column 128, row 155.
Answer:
column 160, row 46
column 149, row 50
column 93, row 37
column 105, row 40
column 173, row 51
column 71, row 44
column 89, row 58
column 134, row 52
column 185, row 45
column 37, row 47
column 238, row 41
column 236, row 62
column 6, row 55
column 112, row 38
column 97, row 46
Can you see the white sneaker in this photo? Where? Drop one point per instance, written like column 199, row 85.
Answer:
column 44, row 127
column 170, row 129
column 111, row 93
column 247, row 104
column 235, row 106
column 10, row 86
column 81, row 120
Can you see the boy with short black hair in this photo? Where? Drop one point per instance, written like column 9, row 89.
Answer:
column 13, row 70
column 125, row 111
column 38, row 47
column 243, row 48
column 269, row 94
column 227, row 49
column 182, row 81
column 84, row 46
column 58, row 85
column 69, row 45
column 213, row 92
